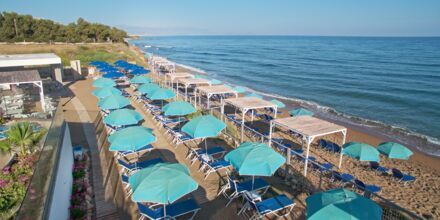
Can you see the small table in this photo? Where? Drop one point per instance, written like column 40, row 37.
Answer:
column 253, row 195
column 206, row 157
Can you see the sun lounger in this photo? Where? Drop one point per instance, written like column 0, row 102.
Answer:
column 322, row 143
column 128, row 153
column 126, row 184
column 214, row 166
column 172, row 211
column 129, row 168
column 238, row 188
column 402, row 177
column 326, row 167
column 344, row 178
column 366, row 187
column 179, row 137
column 3, row 128
column 270, row 206
column 168, row 121
column 375, row 166
column 212, row 151
column 296, row 151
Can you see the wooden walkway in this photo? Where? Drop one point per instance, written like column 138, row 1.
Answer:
column 104, row 206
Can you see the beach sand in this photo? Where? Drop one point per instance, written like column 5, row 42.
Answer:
column 421, row 196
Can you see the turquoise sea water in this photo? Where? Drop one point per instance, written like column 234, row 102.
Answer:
column 387, row 85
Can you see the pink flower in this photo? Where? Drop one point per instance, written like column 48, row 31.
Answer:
column 23, row 178
column 6, row 170
column 3, row 183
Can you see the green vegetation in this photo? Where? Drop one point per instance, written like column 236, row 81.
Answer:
column 18, row 28
column 21, row 138
column 14, row 179
column 13, row 183
column 83, row 52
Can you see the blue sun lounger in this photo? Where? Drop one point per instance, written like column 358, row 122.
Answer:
column 212, row 151
column 402, row 177
column 343, row 178
column 129, row 168
column 270, row 206
column 126, row 184
column 127, row 153
column 214, row 166
column 172, row 211
column 239, row 188
column 366, row 187
column 376, row 167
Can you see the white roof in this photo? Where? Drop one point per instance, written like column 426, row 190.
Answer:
column 193, row 81
column 309, row 126
column 216, row 89
column 180, row 75
column 250, row 103
column 29, row 59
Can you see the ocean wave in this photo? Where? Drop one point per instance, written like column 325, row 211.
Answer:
column 194, row 69
column 423, row 143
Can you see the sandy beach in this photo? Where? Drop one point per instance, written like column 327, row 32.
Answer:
column 421, row 196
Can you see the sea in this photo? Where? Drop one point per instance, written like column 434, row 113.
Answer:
column 388, row 86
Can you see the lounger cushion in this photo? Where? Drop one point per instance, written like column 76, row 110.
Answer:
column 372, row 188
column 124, row 178
column 247, row 186
column 147, row 147
column 181, row 208
column 142, row 164
column 211, row 151
column 219, row 164
column 273, row 204
column 407, row 178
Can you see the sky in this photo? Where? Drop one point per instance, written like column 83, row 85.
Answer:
column 246, row 17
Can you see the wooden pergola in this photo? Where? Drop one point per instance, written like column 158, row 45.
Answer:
column 24, row 77
column 245, row 104
column 177, row 75
column 209, row 91
column 309, row 128
column 187, row 82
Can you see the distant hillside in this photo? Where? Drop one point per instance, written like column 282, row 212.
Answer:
column 19, row 28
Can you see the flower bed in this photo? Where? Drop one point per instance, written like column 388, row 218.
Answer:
column 13, row 183
column 81, row 201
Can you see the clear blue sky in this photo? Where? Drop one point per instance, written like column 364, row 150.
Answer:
column 237, row 17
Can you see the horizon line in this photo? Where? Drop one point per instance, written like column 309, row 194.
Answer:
column 280, row 35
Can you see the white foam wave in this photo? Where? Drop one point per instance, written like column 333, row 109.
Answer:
column 191, row 68
column 333, row 114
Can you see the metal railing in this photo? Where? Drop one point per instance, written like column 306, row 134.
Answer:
column 36, row 203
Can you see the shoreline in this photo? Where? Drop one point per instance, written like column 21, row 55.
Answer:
column 422, row 139
column 369, row 136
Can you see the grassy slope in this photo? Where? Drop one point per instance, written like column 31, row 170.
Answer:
column 84, row 52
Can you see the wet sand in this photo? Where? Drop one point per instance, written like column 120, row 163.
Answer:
column 421, row 196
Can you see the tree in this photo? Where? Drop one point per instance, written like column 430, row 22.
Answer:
column 22, row 136
column 15, row 27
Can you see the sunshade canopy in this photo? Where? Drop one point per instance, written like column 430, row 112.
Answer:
column 178, row 108
column 113, row 102
column 341, row 204
column 361, row 151
column 123, row 117
column 255, row 159
column 162, row 183
column 131, row 139
column 203, row 127
column 395, row 151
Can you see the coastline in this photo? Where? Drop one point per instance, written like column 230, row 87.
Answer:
column 358, row 132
